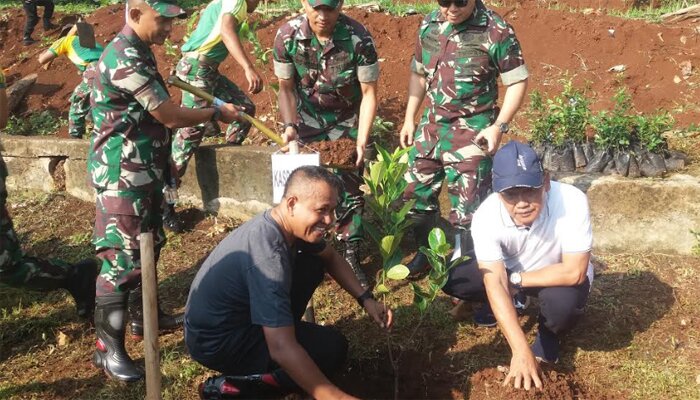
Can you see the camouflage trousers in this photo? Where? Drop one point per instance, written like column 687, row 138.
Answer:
column 454, row 157
column 204, row 74
column 80, row 103
column 16, row 268
column 120, row 217
column 349, row 211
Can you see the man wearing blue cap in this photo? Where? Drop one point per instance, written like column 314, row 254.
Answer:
column 532, row 236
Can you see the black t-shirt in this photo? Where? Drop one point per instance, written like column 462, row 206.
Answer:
column 245, row 281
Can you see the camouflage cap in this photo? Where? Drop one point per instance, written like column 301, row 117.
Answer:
column 167, row 8
column 329, row 3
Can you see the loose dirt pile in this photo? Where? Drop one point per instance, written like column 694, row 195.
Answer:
column 581, row 45
column 340, row 152
column 487, row 384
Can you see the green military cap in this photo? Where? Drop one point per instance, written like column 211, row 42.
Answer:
column 167, row 8
column 329, row 3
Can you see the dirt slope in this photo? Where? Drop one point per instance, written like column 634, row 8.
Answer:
column 555, row 43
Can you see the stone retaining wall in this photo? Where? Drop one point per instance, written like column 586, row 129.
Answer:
column 628, row 214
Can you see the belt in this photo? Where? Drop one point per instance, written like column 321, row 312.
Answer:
column 201, row 58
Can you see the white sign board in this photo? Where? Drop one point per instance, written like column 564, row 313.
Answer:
column 283, row 165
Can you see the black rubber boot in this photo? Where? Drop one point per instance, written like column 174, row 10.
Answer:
column 170, row 220
column 79, row 280
column 166, row 322
column 110, row 327
column 352, row 256
column 82, row 287
column 423, row 223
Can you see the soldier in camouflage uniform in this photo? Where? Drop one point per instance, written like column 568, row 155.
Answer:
column 211, row 42
column 19, row 270
column 128, row 162
column 84, row 58
column 327, row 67
column 461, row 50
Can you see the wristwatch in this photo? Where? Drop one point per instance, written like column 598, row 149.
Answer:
column 364, row 296
column 217, row 115
column 516, row 280
column 503, row 127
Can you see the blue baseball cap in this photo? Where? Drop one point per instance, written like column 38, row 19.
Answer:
column 516, row 165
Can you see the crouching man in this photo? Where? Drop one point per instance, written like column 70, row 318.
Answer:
column 532, row 237
column 243, row 314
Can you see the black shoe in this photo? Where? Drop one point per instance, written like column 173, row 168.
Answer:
column 418, row 266
column 29, row 41
column 82, row 287
column 232, row 387
column 110, row 327
column 170, row 220
column 546, row 346
column 351, row 255
column 423, row 223
column 166, row 322
column 50, row 26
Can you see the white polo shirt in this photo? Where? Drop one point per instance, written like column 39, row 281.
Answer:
column 563, row 226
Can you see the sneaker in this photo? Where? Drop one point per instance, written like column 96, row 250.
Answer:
column 484, row 316
column 218, row 388
column 170, row 220
column 546, row 347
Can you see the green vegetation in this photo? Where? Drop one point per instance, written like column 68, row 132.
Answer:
column 614, row 128
column 561, row 119
column 36, row 123
column 383, row 132
column 645, row 11
column 696, row 247
column 274, row 8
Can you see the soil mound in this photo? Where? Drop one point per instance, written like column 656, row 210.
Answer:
column 487, row 384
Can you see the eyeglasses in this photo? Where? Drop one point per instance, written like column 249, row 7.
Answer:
column 457, row 3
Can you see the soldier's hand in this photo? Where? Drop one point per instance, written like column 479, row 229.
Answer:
column 406, row 135
column 379, row 313
column 289, row 134
column 255, row 83
column 492, row 135
column 230, row 113
column 360, row 150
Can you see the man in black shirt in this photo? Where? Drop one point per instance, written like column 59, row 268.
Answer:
column 244, row 309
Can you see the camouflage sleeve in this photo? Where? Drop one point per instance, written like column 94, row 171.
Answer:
column 139, row 80
column 282, row 60
column 367, row 60
column 2, row 79
column 417, row 64
column 506, row 53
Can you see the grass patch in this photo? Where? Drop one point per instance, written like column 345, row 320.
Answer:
column 36, row 123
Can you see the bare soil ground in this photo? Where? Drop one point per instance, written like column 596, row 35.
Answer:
column 638, row 338
column 582, row 45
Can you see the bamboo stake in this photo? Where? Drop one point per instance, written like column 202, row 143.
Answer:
column 150, row 317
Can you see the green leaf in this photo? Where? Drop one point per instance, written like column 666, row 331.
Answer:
column 420, row 298
column 387, row 246
column 460, row 260
column 381, row 289
column 436, row 238
column 398, row 272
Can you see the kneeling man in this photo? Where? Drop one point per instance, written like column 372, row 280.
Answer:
column 243, row 315
column 532, row 237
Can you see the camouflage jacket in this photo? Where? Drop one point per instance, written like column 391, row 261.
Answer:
column 3, row 170
column 129, row 149
column 327, row 76
column 461, row 64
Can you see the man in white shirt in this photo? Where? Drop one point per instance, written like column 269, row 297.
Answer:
column 533, row 237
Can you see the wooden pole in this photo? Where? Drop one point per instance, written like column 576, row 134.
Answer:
column 150, row 317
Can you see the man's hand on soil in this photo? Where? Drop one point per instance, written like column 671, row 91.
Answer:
column 380, row 313
column 492, row 135
column 524, row 371
column 229, row 113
